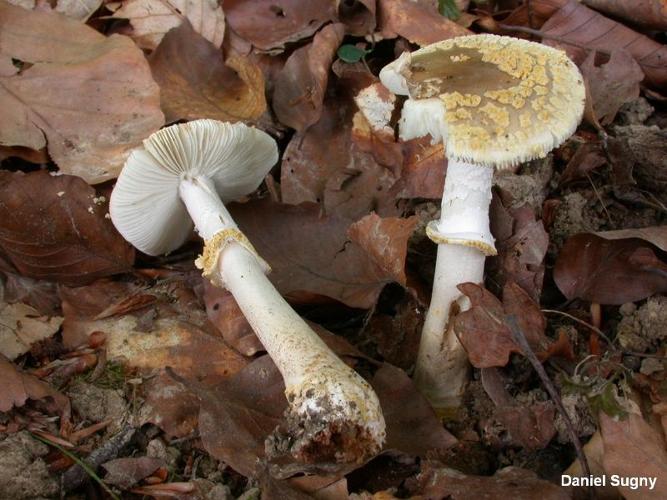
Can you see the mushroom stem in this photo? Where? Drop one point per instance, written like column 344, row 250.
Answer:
column 464, row 239
column 333, row 412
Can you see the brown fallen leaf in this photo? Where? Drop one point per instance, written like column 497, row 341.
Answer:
column 611, row 85
column 126, row 472
column 483, row 331
column 300, row 86
column 78, row 9
column 633, row 448
column 152, row 19
column 586, row 158
column 116, row 104
column 311, row 253
column 196, row 83
column 424, row 167
column 169, row 405
column 21, row 326
column 436, row 481
column 576, row 29
column 647, row 13
column 54, row 228
column 269, row 25
column 358, row 16
column 18, row 387
column 604, row 269
column 418, row 21
column 42, row 295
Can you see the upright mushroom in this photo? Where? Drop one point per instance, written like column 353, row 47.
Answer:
column 190, row 169
column 495, row 102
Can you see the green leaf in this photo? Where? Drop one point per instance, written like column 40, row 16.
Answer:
column 351, row 53
column 607, row 402
column 449, row 9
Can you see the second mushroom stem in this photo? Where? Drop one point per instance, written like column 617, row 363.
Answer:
column 442, row 366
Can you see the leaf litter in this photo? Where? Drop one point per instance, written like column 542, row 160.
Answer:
column 93, row 329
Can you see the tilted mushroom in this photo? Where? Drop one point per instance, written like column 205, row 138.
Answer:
column 190, row 169
column 494, row 102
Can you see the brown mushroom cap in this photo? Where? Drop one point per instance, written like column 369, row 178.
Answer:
column 501, row 100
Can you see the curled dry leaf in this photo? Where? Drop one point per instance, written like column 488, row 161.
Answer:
column 116, row 104
column 126, row 472
column 21, row 326
column 483, row 331
column 152, row 19
column 196, row 83
column 18, row 387
column 418, row 21
column 633, row 448
column 269, row 25
column 648, row 13
column 511, row 482
column 54, row 227
column 613, row 267
column 311, row 253
column 586, row 158
column 300, row 86
column 611, row 85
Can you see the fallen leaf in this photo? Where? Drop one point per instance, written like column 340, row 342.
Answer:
column 595, row 268
column 418, row 21
column 632, row 448
column 54, row 228
column 647, row 13
column 78, row 9
column 126, row 472
column 424, row 167
column 42, row 295
column 300, row 86
column 269, row 25
column 586, row 158
column 510, row 482
column 116, row 104
column 377, row 105
column 358, row 16
column 169, row 405
column 385, row 241
column 612, row 84
column 196, row 83
column 21, row 326
column 18, row 387
column 152, row 19
column 311, row 253
column 483, row 331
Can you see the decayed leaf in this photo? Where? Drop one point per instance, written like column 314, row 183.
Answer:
column 54, row 227
column 78, row 9
column 42, row 295
column 126, row 472
column 18, row 387
column 612, row 271
column 196, row 83
column 632, row 448
column 21, row 326
column 570, row 21
column 511, row 482
column 300, row 86
column 269, row 25
column 152, row 19
column 326, row 164
column 586, row 158
column 169, row 405
column 483, row 331
column 648, row 13
column 612, row 84
column 89, row 98
column 377, row 105
column 418, row 21
column 358, row 16
column 311, row 253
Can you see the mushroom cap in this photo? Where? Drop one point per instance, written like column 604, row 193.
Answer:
column 494, row 100
column 145, row 204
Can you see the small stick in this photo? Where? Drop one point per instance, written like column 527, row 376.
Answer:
column 520, row 339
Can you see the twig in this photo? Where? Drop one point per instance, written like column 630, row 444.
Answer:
column 520, row 339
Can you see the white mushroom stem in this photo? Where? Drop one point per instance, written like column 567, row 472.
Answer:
column 325, row 393
column 464, row 239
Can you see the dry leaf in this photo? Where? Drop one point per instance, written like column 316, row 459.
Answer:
column 612, row 84
column 90, row 98
column 42, row 295
column 126, row 472
column 269, row 25
column 377, row 105
column 419, row 22
column 78, row 9
column 586, row 158
column 311, row 253
column 21, row 326
column 196, row 83
column 54, row 227
column 152, row 19
column 424, row 167
column 169, row 405
column 648, row 13
column 598, row 269
column 300, row 86
column 358, row 16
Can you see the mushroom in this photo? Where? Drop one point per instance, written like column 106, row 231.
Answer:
column 191, row 169
column 494, row 102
